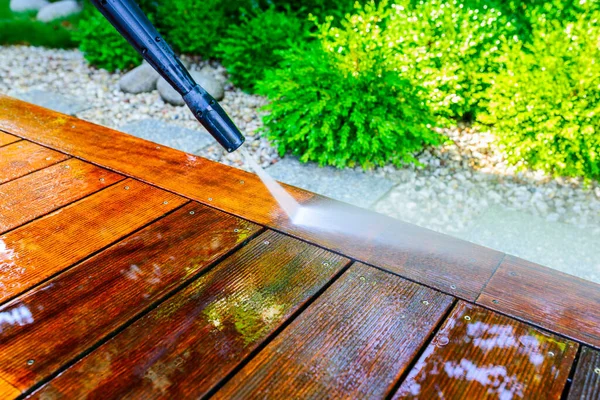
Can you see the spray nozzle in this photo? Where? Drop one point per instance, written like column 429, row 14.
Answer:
column 131, row 22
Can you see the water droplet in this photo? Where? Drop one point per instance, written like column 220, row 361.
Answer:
column 48, row 158
column 67, row 166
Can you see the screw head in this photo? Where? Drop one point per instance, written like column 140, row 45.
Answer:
column 30, row 361
column 266, row 242
column 236, row 230
column 48, row 158
column 165, row 202
column 242, row 182
column 126, row 187
column 192, row 212
column 597, row 370
column 453, row 287
column 425, row 302
column 67, row 166
column 551, row 353
column 467, row 318
column 210, row 199
column 325, row 263
column 512, row 273
column 101, row 179
column 495, row 301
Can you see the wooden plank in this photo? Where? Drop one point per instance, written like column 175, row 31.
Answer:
column 73, row 311
column 542, row 296
column 24, row 157
column 36, row 194
column 38, row 250
column 5, row 139
column 586, row 382
column 437, row 260
column 478, row 354
column 189, row 343
column 354, row 342
column 8, row 391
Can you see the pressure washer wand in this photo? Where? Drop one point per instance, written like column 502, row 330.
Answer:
column 130, row 21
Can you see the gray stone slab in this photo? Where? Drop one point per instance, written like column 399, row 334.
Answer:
column 188, row 140
column 350, row 186
column 564, row 247
column 55, row 101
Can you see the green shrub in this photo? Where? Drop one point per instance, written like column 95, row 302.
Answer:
column 23, row 28
column 451, row 48
column 102, row 45
column 545, row 106
column 250, row 48
column 340, row 102
column 197, row 26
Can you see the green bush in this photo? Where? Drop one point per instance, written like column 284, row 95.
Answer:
column 197, row 26
column 102, row 45
column 340, row 102
column 23, row 28
column 250, row 48
column 451, row 48
column 545, row 107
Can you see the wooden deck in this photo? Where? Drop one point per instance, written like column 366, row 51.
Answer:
column 131, row 270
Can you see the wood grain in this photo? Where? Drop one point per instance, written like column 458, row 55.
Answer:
column 189, row 343
column 354, row 342
column 8, row 391
column 586, row 382
column 23, row 157
column 448, row 264
column 5, row 139
column 38, row 250
column 478, row 354
column 542, row 296
column 36, row 194
column 73, row 311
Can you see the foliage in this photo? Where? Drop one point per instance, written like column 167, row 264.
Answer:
column 197, row 26
column 449, row 47
column 102, row 45
column 250, row 48
column 340, row 102
column 545, row 106
column 23, row 28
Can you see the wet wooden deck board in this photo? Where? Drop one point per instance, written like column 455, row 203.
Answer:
column 22, row 158
column 586, row 382
column 547, row 298
column 75, row 310
column 114, row 328
column 191, row 342
column 354, row 342
column 46, row 190
column 448, row 264
column 479, row 354
column 50, row 244
column 5, row 139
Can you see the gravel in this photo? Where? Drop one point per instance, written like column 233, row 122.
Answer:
column 458, row 180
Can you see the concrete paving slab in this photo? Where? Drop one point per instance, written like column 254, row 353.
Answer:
column 564, row 247
column 350, row 186
column 188, row 140
column 55, row 101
